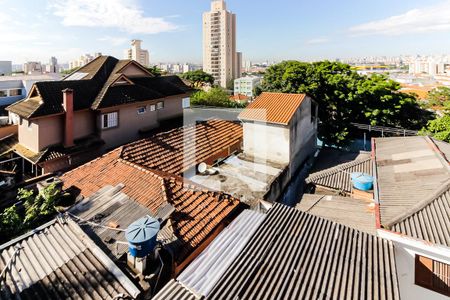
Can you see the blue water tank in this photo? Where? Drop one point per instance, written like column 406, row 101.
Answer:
column 362, row 181
column 141, row 236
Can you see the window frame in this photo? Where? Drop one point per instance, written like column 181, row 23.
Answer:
column 103, row 115
column 160, row 105
column 427, row 277
column 139, row 110
column 153, row 107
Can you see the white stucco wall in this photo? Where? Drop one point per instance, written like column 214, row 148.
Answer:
column 405, row 252
column 276, row 149
column 29, row 135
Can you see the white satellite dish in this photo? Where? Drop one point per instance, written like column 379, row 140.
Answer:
column 202, row 167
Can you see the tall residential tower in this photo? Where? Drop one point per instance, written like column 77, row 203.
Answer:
column 137, row 53
column 220, row 58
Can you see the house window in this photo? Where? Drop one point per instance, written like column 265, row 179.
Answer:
column 141, row 110
column 186, row 102
column 432, row 275
column 16, row 92
column 3, row 93
column 110, row 120
column 152, row 107
column 160, row 105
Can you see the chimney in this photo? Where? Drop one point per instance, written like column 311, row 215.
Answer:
column 68, row 117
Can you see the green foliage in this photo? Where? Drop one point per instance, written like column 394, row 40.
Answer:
column 37, row 208
column 439, row 128
column 155, row 70
column 10, row 222
column 198, row 78
column 439, row 97
column 69, row 71
column 344, row 96
column 215, row 97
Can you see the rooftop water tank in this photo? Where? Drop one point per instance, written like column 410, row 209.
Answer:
column 141, row 236
column 362, row 181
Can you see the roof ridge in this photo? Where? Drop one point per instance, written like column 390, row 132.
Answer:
column 419, row 205
column 438, row 151
column 335, row 169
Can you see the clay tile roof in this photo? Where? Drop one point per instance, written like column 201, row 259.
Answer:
column 177, row 150
column 239, row 97
column 197, row 213
column 276, row 108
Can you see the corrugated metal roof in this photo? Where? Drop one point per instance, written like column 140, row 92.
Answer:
column 176, row 291
column 355, row 213
column 294, row 255
column 58, row 261
column 409, row 170
column 276, row 108
column 431, row 222
column 201, row 275
column 338, row 177
column 109, row 207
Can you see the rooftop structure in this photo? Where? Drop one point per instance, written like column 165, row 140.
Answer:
column 57, row 261
column 181, row 149
column 197, row 214
column 292, row 255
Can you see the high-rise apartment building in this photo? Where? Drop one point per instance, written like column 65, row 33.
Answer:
column 219, row 43
column 137, row 53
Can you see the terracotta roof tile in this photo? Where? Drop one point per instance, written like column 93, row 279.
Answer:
column 179, row 149
column 197, row 212
column 276, row 108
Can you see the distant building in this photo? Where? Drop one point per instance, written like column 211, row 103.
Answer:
column 238, row 72
column 15, row 88
column 83, row 60
column 52, row 67
column 137, row 53
column 219, row 43
column 246, row 85
column 32, row 67
column 5, row 68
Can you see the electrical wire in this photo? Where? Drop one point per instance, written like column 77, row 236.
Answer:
column 94, row 224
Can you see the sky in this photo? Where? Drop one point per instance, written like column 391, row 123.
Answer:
column 267, row 30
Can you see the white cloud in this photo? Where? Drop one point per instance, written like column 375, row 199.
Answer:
column 115, row 41
column 317, row 41
column 428, row 19
column 109, row 14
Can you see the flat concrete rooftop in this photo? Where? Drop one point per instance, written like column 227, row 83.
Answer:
column 243, row 177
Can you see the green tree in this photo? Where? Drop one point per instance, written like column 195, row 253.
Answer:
column 69, row 71
column 439, row 96
column 344, row 96
column 439, row 128
column 198, row 78
column 215, row 97
column 10, row 222
column 155, row 70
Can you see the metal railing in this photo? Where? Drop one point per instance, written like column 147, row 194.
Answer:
column 386, row 130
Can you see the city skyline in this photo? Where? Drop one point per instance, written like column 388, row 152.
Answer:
column 67, row 29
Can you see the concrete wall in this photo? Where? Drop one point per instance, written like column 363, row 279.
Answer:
column 51, row 131
column 303, row 135
column 8, row 130
column 130, row 122
column 173, row 107
column 267, row 141
column 83, row 124
column 405, row 250
column 29, row 135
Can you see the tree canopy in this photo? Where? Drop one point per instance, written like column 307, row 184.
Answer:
column 155, row 70
column 198, row 78
column 439, row 128
column 215, row 97
column 344, row 96
column 439, row 96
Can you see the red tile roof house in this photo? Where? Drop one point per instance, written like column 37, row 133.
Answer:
column 150, row 171
column 108, row 101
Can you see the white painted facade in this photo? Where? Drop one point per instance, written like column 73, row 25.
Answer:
column 288, row 144
column 246, row 85
column 138, row 54
column 406, row 249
